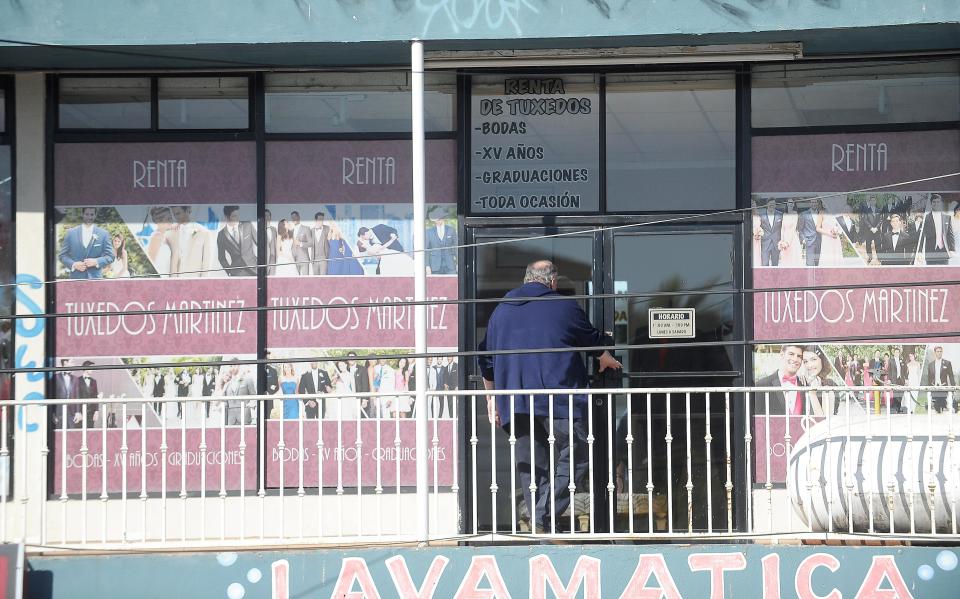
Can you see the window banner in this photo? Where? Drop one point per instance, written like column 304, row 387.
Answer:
column 857, row 239
column 339, row 234
column 168, row 227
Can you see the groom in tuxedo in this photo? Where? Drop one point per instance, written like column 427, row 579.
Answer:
column 771, row 233
column 441, row 247
column 190, row 253
column 271, row 242
column 897, row 246
column 785, row 377
column 312, row 382
column 937, row 233
column 86, row 248
column 237, row 245
column 320, row 247
column 302, row 244
column 809, row 236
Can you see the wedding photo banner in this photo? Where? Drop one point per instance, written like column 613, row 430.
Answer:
column 901, row 242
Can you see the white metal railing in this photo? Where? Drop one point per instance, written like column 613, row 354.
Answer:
column 645, row 463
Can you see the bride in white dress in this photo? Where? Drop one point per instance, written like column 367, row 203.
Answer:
column 159, row 248
column 286, row 266
column 391, row 262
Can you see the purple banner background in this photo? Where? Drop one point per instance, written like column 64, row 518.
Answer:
column 160, row 334
column 313, row 172
column 786, row 315
column 776, row 453
column 195, row 476
column 347, row 463
column 805, row 163
column 382, row 327
column 103, row 174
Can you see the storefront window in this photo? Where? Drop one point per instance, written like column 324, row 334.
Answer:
column 355, row 102
column 3, row 112
column 203, row 102
column 104, row 103
column 535, row 144
column 809, row 95
column 671, row 142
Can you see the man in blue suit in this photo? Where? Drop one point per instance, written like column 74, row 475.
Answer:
column 86, row 249
column 441, row 247
column 521, row 324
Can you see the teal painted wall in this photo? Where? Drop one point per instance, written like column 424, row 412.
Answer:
column 918, row 572
column 163, row 22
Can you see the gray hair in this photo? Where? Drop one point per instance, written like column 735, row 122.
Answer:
column 541, row 271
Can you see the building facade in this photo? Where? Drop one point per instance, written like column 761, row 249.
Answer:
column 199, row 204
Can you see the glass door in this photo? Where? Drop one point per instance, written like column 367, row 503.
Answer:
column 693, row 272
column 632, row 271
column 495, row 265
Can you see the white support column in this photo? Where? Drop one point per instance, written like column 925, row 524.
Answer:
column 420, row 287
column 30, row 426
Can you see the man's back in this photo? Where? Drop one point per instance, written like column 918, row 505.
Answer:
column 539, row 324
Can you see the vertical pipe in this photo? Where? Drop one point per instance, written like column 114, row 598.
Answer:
column 419, row 284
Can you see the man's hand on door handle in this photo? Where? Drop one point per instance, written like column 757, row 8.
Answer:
column 606, row 360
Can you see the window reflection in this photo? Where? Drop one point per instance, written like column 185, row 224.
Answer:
column 855, row 93
column 355, row 102
column 104, row 102
column 671, row 142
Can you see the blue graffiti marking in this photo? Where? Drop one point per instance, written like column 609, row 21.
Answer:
column 28, row 329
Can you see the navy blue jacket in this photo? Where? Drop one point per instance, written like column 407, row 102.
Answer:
column 525, row 324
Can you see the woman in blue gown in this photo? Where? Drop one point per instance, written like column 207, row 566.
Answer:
column 341, row 257
column 288, row 386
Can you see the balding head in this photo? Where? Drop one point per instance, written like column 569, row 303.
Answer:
column 541, row 271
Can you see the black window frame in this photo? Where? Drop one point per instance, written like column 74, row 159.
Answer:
column 154, row 105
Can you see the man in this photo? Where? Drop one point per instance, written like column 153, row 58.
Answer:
column 877, row 370
column 897, row 371
column 66, row 388
column 271, row 242
column 86, row 249
column 237, row 245
column 940, row 374
column 807, row 231
column 870, row 227
column 937, row 233
column 312, row 382
column 382, row 235
column 521, row 324
column 320, row 248
column 361, row 376
column 158, row 389
column 770, row 234
column 190, row 246
column 451, row 377
column 388, row 237
column 897, row 247
column 86, row 388
column 239, row 384
column 785, row 377
column 849, row 227
column 302, row 244
column 207, row 386
column 441, row 247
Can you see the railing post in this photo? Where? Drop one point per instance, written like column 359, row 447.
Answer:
column 420, row 286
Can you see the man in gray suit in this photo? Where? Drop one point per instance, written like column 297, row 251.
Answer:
column 271, row 242
column 320, row 247
column 240, row 383
column 770, row 233
column 237, row 245
column 807, row 230
column 302, row 244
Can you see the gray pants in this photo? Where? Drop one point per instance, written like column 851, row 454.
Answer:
column 537, row 438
